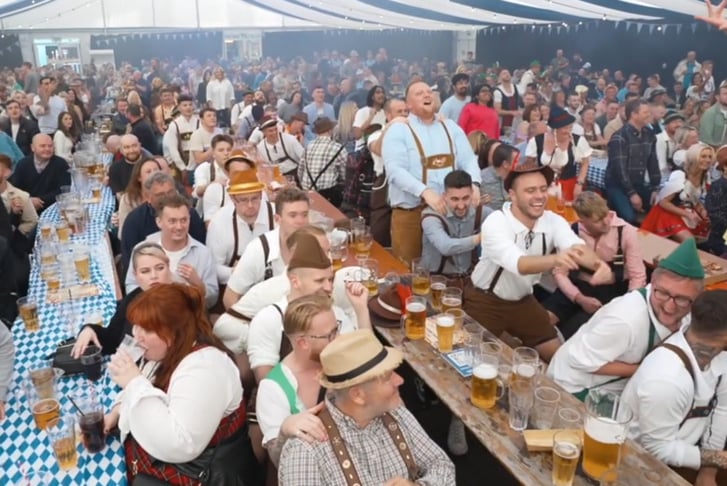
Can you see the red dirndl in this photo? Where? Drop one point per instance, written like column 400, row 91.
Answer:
column 664, row 223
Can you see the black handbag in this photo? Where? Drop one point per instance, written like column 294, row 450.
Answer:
column 62, row 358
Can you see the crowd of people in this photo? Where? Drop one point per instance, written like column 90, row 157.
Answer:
column 229, row 285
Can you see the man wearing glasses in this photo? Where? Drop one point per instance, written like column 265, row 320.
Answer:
column 608, row 349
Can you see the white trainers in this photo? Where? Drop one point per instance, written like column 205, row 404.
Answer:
column 456, row 438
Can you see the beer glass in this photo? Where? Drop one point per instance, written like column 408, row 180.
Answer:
column 416, row 317
column 44, row 409
column 526, row 365
column 52, row 276
column 28, row 309
column 521, row 401
column 566, row 452
column 62, row 436
column 90, row 418
column 48, row 253
column 420, row 277
column 445, row 332
column 339, row 255
column 490, row 346
column 606, row 424
column 486, row 386
column 546, row 406
column 437, row 286
column 370, row 276
column 451, row 299
column 43, row 378
column 82, row 262
column 46, row 230
column 472, row 341
column 569, row 418
column 63, row 231
column 96, row 188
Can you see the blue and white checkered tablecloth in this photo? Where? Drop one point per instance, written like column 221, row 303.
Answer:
column 22, row 446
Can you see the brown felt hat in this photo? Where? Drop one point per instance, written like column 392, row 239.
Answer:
column 323, row 125
column 527, row 168
column 238, row 155
column 308, row 254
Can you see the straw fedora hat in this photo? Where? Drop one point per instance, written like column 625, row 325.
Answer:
column 354, row 358
column 240, row 156
column 245, row 182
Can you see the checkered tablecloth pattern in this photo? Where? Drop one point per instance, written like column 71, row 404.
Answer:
column 596, row 176
column 22, row 446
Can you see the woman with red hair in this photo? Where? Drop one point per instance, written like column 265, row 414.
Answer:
column 181, row 414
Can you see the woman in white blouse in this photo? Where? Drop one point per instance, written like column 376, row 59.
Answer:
column 182, row 413
column 66, row 136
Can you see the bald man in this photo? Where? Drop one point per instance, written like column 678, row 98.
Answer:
column 120, row 170
column 443, row 147
column 41, row 174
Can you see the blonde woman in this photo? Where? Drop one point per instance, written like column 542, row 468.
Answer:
column 680, row 213
column 343, row 133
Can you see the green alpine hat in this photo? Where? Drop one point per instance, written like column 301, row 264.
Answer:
column 684, row 261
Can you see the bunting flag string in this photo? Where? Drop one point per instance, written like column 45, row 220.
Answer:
column 587, row 25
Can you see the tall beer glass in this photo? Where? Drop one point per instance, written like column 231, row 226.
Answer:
column 416, row 317
column 566, row 452
column 605, row 428
column 486, row 386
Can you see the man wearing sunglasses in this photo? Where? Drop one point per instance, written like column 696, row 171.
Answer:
column 608, row 349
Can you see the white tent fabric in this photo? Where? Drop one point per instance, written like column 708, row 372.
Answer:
column 453, row 15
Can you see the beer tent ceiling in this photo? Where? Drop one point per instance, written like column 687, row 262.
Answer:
column 100, row 16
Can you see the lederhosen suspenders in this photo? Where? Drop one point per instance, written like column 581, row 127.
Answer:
column 618, row 263
column 438, row 161
column 184, row 154
column 475, row 251
column 344, row 458
column 235, row 256
column 285, row 152
column 314, row 182
column 499, row 271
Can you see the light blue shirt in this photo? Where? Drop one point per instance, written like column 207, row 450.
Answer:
column 313, row 112
column 452, row 107
column 404, row 165
column 10, row 148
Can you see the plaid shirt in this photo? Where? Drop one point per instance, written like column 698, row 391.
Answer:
column 373, row 452
column 631, row 154
column 317, row 155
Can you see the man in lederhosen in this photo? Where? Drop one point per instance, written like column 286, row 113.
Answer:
column 176, row 139
column 417, row 157
column 277, row 148
column 248, row 217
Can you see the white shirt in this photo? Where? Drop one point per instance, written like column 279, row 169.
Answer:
column 63, row 146
column 618, row 331
column 220, row 94
column 175, row 426
column 178, row 128
column 266, row 330
column 274, row 406
column 361, row 116
column 48, row 121
column 215, row 197
column 286, row 152
column 14, row 129
column 251, row 267
column 221, row 240
column 497, row 93
column 378, row 160
column 665, row 148
column 499, row 231
column 661, row 394
column 559, row 158
column 581, row 132
column 203, row 173
column 201, row 139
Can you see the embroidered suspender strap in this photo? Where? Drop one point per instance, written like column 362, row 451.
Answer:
column 339, row 449
column 278, row 376
column 271, row 220
column 314, row 182
column 235, row 257
column 422, row 155
column 395, row 432
column 444, row 259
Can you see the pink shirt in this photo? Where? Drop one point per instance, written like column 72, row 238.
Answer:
column 606, row 247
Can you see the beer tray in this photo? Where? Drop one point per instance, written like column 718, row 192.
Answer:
column 75, row 292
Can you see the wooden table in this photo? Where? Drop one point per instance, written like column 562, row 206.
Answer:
column 491, row 427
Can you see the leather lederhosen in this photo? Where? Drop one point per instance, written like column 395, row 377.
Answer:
column 437, row 161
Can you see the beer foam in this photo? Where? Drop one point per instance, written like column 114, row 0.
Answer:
column 438, row 286
column 525, row 370
column 485, row 371
column 566, row 450
column 445, row 321
column 604, row 430
column 416, row 307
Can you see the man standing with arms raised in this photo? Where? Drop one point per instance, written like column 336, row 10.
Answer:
column 417, row 157
column 47, row 105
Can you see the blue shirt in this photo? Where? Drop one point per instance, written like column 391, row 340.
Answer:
column 10, row 148
column 452, row 107
column 312, row 111
column 404, row 165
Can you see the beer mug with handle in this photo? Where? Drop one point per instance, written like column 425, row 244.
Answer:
column 526, row 365
column 606, row 424
column 487, row 387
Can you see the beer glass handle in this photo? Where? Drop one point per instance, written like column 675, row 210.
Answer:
column 500, row 388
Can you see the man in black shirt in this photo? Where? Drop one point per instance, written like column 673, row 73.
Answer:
column 632, row 174
column 142, row 129
column 120, row 170
column 42, row 174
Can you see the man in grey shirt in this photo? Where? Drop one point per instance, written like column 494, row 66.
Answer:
column 452, row 106
column 450, row 243
column 7, row 359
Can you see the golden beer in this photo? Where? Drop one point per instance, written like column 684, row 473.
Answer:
column 437, row 288
column 45, row 412
column 484, row 386
column 66, row 453
column 415, row 323
column 602, row 441
column 372, row 286
column 420, row 285
column 362, row 248
column 47, row 258
column 64, row 232
column 54, row 282
column 337, row 263
column 96, row 193
column 47, row 272
column 83, row 266
column 524, row 372
column 45, row 231
column 449, row 303
column 445, row 333
column 29, row 313
column 565, row 462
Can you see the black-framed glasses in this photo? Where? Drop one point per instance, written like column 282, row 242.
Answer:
column 664, row 296
column 330, row 336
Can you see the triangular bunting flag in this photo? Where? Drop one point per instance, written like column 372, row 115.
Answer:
column 694, row 28
column 651, row 28
column 679, row 29
column 639, row 27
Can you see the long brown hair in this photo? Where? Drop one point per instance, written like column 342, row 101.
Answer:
column 176, row 313
column 133, row 189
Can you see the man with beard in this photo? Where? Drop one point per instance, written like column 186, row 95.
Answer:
column 42, row 174
column 506, row 100
column 371, row 114
column 120, row 171
column 518, row 246
column 452, row 106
